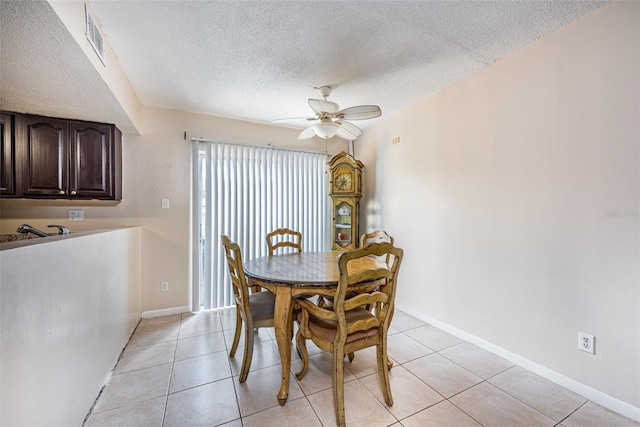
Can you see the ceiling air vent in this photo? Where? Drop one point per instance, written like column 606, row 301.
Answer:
column 94, row 36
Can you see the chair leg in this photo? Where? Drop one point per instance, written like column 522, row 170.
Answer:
column 236, row 336
column 383, row 373
column 301, row 345
column 248, row 352
column 390, row 362
column 338, row 387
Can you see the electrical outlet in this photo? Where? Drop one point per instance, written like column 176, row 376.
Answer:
column 586, row 342
column 76, row 215
column 164, row 286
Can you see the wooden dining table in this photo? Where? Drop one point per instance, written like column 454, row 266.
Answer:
column 291, row 276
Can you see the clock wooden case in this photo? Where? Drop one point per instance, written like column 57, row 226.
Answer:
column 346, row 191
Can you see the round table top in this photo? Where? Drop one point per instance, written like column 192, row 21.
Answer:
column 304, row 268
column 296, row 268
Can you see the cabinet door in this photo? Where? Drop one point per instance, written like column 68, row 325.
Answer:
column 345, row 223
column 7, row 155
column 91, row 171
column 45, row 168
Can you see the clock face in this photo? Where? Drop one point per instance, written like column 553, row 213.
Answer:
column 343, row 181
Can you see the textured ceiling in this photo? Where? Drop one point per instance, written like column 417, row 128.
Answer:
column 260, row 60
column 44, row 71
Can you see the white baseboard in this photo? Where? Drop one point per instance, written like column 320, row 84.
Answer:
column 165, row 312
column 587, row 392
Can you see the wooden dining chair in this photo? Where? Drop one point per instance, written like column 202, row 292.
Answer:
column 282, row 238
column 253, row 311
column 376, row 236
column 347, row 326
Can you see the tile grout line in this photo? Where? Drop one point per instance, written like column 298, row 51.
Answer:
column 173, row 362
column 573, row 412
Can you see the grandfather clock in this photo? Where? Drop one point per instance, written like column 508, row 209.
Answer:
column 346, row 191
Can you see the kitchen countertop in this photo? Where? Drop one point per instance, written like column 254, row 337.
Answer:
column 21, row 240
column 13, row 237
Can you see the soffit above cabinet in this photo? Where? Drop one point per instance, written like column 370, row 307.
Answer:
column 44, row 70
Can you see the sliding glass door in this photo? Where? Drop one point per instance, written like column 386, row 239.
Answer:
column 245, row 192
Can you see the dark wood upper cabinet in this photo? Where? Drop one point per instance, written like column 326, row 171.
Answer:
column 93, row 168
column 7, row 155
column 66, row 159
column 45, row 157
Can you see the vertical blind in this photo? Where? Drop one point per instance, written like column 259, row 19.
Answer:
column 245, row 192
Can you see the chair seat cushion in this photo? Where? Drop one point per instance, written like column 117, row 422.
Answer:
column 262, row 305
column 326, row 329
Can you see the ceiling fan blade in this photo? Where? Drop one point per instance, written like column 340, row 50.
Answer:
column 348, row 131
column 308, row 133
column 360, row 112
column 323, row 106
column 293, row 119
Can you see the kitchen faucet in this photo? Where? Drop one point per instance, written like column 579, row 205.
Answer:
column 61, row 228
column 26, row 228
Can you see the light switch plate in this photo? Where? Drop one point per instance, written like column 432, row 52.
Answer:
column 165, row 203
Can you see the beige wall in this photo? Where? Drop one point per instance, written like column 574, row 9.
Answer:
column 515, row 194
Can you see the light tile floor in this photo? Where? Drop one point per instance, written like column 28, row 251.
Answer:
column 175, row 371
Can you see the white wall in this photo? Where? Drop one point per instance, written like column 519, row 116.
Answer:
column 515, row 194
column 67, row 309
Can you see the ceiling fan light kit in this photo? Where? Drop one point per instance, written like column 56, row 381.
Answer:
column 333, row 120
column 326, row 130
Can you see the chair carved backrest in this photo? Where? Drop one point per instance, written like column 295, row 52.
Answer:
column 236, row 272
column 364, row 283
column 381, row 299
column 376, row 236
column 282, row 238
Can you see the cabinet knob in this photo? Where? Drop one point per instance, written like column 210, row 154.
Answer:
column 61, row 191
column 73, row 193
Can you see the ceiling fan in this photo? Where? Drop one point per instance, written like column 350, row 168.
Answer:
column 333, row 120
